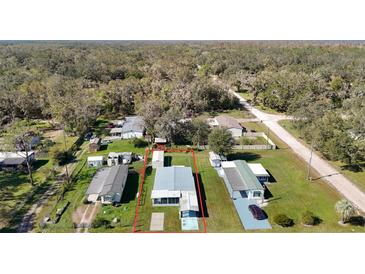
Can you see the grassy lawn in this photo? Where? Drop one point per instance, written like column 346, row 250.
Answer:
column 290, row 194
column 220, row 214
column 355, row 175
column 124, row 213
column 235, row 113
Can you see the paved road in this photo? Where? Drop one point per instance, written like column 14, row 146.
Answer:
column 321, row 166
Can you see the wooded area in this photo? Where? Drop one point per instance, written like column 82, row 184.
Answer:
column 322, row 86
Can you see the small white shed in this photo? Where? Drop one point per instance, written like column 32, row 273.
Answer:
column 157, row 159
column 95, row 161
column 214, row 159
column 260, row 172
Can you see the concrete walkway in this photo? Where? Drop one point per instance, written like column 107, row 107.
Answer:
column 327, row 172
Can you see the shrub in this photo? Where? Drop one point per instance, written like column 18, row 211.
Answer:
column 308, row 218
column 85, row 201
column 137, row 142
column 61, row 157
column 101, row 221
column 283, row 220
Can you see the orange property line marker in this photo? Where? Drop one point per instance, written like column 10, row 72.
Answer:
column 143, row 173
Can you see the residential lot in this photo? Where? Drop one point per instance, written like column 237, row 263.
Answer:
column 290, row 194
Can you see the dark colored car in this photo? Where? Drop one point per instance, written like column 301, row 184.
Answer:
column 257, row 212
column 88, row 136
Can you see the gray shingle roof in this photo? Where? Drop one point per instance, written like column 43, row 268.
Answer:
column 108, row 180
column 133, row 124
column 174, row 178
column 228, row 122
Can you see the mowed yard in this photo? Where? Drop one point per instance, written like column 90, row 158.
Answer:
column 124, row 213
column 220, row 214
column 291, row 193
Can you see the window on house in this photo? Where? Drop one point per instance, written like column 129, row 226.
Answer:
column 256, row 194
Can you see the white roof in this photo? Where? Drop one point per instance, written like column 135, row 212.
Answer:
column 214, row 156
column 189, row 201
column 158, row 156
column 165, row 194
column 116, row 130
column 18, row 154
column 160, row 140
column 227, row 164
column 258, row 169
column 95, row 158
column 114, row 154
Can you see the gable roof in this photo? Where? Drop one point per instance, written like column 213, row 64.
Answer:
column 228, row 122
column 240, row 176
column 174, row 178
column 108, row 180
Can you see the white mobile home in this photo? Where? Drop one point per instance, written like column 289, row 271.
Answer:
column 175, row 186
column 95, row 161
column 214, row 159
column 133, row 127
column 157, row 159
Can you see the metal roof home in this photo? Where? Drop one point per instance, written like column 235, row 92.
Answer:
column 108, row 183
column 174, row 178
column 228, row 122
column 240, row 176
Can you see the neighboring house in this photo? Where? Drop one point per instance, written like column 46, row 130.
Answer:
column 133, row 127
column 15, row 160
column 260, row 172
column 94, row 145
column 157, row 159
column 230, row 123
column 214, row 159
column 241, row 182
column 114, row 158
column 127, row 157
column 34, row 141
column 95, row 161
column 175, row 186
column 108, row 185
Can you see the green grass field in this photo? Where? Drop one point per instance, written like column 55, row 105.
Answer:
column 290, row 194
column 124, row 213
column 355, row 175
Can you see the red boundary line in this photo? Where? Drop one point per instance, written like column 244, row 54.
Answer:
column 141, row 188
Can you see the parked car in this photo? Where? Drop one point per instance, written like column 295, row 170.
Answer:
column 88, row 136
column 257, row 212
column 106, row 141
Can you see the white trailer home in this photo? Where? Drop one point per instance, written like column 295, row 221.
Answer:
column 157, row 159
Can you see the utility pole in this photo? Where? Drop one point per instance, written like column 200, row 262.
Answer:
column 309, row 163
column 65, row 145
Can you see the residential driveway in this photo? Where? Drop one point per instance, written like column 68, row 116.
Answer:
column 321, row 166
column 247, row 220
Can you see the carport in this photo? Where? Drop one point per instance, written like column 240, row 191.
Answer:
column 247, row 220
